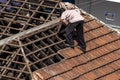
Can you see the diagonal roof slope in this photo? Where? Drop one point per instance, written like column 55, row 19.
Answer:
column 101, row 62
column 44, row 51
column 21, row 56
column 28, row 53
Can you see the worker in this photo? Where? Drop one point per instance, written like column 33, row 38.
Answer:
column 75, row 20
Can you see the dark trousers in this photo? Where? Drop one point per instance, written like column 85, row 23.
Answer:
column 69, row 34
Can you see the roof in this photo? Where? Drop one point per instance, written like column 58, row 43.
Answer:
column 18, row 16
column 26, row 43
column 101, row 62
column 40, row 51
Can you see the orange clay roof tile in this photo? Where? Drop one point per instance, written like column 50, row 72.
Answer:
column 102, row 60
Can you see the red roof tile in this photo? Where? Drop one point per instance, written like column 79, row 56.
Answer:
column 102, row 60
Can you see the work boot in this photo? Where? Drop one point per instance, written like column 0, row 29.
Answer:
column 83, row 49
column 72, row 46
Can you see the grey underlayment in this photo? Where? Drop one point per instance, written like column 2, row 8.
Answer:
column 29, row 52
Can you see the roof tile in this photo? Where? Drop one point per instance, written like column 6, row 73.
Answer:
column 100, row 61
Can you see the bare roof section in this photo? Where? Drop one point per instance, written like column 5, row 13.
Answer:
column 21, row 15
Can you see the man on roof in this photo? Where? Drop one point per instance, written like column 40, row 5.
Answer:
column 75, row 21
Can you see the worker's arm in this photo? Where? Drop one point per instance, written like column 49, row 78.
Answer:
column 61, row 20
column 65, row 22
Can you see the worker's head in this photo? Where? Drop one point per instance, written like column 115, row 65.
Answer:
column 69, row 6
